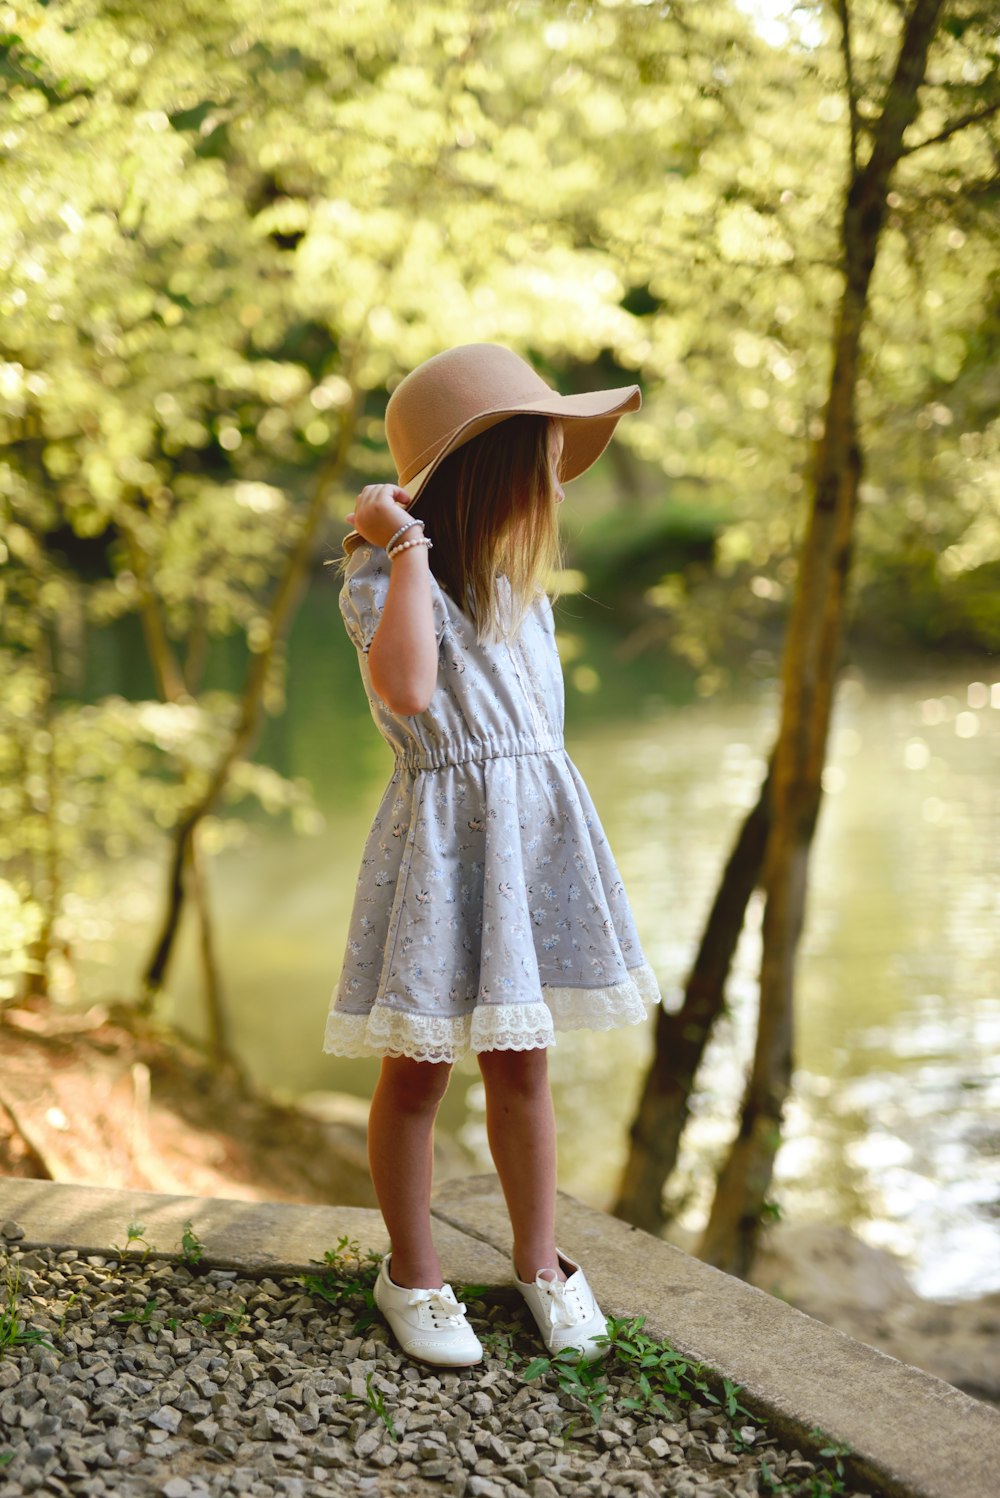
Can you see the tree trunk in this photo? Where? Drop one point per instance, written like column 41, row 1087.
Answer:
column 681, row 1038
column 219, row 1050
column 283, row 604
column 811, row 654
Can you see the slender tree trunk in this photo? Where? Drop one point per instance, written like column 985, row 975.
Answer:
column 681, row 1038
column 173, row 685
column 45, row 862
column 811, row 654
column 219, row 1049
column 283, row 604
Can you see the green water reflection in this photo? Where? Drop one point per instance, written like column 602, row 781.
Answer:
column 892, row 1128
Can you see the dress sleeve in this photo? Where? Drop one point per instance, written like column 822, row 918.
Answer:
column 362, row 598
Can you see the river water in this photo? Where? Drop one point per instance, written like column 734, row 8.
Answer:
column 894, row 1124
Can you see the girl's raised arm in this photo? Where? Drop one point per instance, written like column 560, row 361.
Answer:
column 402, row 657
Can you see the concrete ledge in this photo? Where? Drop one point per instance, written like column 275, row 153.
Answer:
column 257, row 1237
column 912, row 1435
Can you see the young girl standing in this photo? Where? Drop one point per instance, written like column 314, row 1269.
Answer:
column 489, row 911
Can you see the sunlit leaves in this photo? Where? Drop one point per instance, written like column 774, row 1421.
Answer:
column 227, row 227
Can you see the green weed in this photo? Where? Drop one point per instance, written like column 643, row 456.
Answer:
column 348, row 1274
column 585, row 1381
column 653, row 1377
column 62, row 1320
column 656, row 1371
column 13, row 1332
column 729, row 1403
column 234, row 1321
column 375, row 1400
column 147, row 1317
column 499, row 1344
column 192, row 1247
column 134, row 1233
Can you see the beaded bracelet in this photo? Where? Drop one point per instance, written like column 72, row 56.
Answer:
column 404, row 527
column 405, row 546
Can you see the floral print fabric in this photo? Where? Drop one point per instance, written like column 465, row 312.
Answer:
column 488, row 910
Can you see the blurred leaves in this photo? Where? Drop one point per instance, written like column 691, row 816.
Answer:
column 228, row 229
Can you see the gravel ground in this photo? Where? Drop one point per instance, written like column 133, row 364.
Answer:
column 260, row 1388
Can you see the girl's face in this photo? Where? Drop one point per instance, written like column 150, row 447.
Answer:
column 556, row 440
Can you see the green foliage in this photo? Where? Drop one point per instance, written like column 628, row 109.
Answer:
column 348, row 1275
column 375, row 1400
column 650, row 1378
column 134, row 1234
column 13, row 1332
column 583, row 1381
column 192, row 1248
column 229, row 230
column 148, row 1316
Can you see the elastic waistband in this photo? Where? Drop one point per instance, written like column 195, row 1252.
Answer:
column 475, row 750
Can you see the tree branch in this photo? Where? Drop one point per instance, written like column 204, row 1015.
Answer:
column 852, row 96
column 974, row 117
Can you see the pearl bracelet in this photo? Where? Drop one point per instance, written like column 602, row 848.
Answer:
column 405, row 546
column 404, row 527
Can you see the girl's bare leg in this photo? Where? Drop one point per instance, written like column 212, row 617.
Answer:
column 521, row 1127
column 401, row 1159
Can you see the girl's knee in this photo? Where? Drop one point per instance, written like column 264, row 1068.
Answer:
column 515, row 1071
column 415, row 1085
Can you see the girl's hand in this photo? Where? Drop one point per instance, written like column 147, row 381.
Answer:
column 378, row 513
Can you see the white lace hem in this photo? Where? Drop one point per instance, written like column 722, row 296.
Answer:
column 492, row 1027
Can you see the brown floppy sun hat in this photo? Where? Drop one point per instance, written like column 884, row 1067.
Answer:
column 452, row 397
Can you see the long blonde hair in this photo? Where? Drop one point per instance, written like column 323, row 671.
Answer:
column 490, row 509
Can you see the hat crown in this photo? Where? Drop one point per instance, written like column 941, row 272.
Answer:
column 449, row 390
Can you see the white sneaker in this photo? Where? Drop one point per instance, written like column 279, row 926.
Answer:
column 429, row 1325
column 566, row 1312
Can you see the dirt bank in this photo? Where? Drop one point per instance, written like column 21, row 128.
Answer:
column 106, row 1097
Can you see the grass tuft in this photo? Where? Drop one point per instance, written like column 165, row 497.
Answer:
column 13, row 1332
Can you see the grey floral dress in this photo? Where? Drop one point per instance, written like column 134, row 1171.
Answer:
column 489, row 910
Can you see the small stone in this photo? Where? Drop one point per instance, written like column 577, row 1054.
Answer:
column 166, row 1418
column 177, row 1487
column 722, row 1455
column 657, row 1448
column 608, row 1439
column 542, row 1488
column 12, row 1231
column 368, row 1442
column 485, row 1487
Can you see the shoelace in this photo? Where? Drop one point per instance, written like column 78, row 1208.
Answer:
column 441, row 1303
column 565, row 1305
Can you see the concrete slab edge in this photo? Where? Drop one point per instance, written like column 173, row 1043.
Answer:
column 257, row 1238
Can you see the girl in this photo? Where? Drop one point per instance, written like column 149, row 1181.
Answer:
column 489, row 910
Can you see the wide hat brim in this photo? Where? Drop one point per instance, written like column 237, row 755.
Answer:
column 590, row 417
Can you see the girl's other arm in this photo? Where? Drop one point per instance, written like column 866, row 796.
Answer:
column 402, row 657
